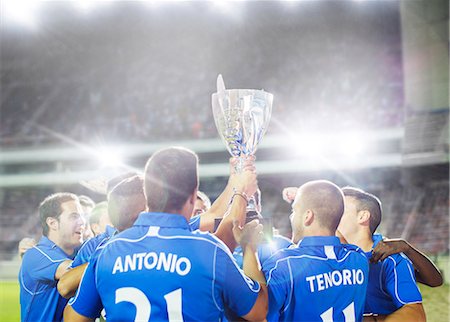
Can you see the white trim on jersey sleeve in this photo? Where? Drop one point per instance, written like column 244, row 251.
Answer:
column 396, row 284
column 48, row 256
column 26, row 289
column 291, row 291
column 214, row 281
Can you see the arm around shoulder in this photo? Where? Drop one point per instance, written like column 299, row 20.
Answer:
column 261, row 306
column 426, row 271
column 68, row 283
column 409, row 312
column 70, row 315
column 62, row 269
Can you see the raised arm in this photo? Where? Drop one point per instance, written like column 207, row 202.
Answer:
column 249, row 237
column 245, row 184
column 220, row 206
column 426, row 271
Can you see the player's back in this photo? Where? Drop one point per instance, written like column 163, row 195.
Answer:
column 165, row 273
column 320, row 280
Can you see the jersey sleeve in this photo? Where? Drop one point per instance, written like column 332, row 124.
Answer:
column 239, row 292
column 87, row 300
column 42, row 266
column 400, row 281
column 84, row 253
column 278, row 276
column 194, row 223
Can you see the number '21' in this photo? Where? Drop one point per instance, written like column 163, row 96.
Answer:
column 143, row 307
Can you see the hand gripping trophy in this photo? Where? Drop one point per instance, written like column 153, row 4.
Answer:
column 241, row 117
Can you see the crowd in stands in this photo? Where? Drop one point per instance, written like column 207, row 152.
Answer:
column 140, row 89
column 416, row 213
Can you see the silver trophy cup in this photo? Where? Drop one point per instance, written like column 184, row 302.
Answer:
column 241, row 117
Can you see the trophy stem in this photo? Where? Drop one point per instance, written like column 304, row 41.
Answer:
column 239, row 166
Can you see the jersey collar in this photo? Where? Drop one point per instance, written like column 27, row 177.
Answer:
column 110, row 231
column 376, row 239
column 47, row 242
column 44, row 241
column 162, row 220
column 319, row 241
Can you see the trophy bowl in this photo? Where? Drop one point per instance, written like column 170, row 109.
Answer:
column 242, row 117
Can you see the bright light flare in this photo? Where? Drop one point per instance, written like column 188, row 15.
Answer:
column 22, row 12
column 351, row 146
column 109, row 158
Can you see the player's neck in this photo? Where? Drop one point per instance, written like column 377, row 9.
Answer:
column 318, row 232
column 361, row 239
column 55, row 238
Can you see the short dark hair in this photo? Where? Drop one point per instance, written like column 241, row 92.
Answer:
column 125, row 201
column 366, row 201
column 326, row 200
column 98, row 210
column 117, row 179
column 51, row 207
column 85, row 201
column 170, row 178
column 203, row 197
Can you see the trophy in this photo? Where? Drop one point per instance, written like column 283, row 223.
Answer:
column 241, row 117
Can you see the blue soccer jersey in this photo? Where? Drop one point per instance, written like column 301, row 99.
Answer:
column 265, row 250
column 160, row 270
column 320, row 280
column 90, row 245
column 39, row 297
column 392, row 283
column 194, row 223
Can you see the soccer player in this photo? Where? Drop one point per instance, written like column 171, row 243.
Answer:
column 87, row 204
column 392, row 290
column 426, row 271
column 44, row 264
column 99, row 218
column 319, row 279
column 159, row 269
column 125, row 202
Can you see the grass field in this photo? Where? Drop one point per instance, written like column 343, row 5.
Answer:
column 436, row 302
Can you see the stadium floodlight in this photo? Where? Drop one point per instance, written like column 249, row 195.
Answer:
column 22, row 12
column 351, row 146
column 109, row 157
column 84, row 5
column 309, row 144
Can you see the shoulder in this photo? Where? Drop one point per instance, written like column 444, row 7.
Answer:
column 210, row 239
column 277, row 259
column 353, row 250
column 396, row 260
column 194, row 222
column 91, row 244
column 281, row 241
column 44, row 253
